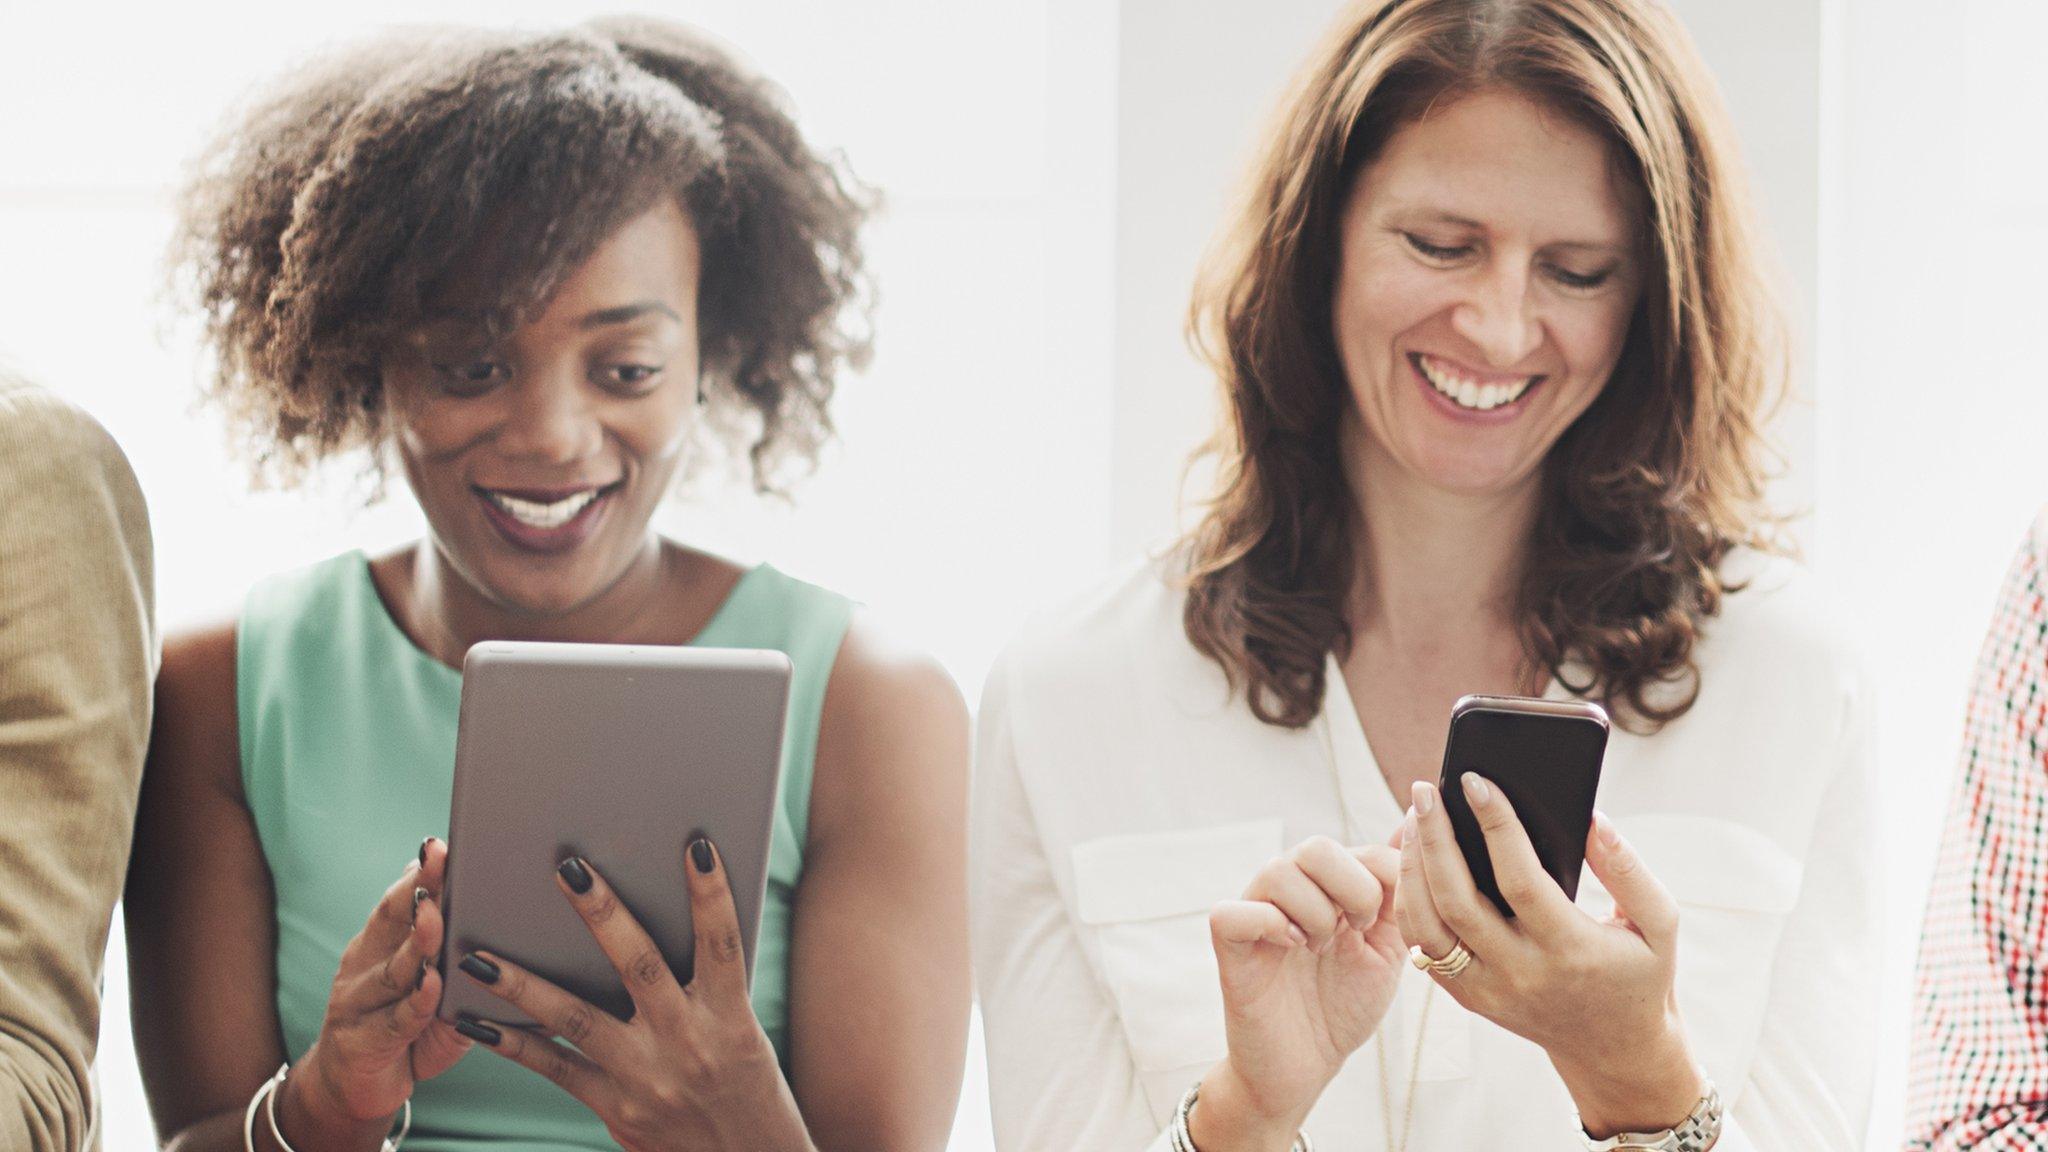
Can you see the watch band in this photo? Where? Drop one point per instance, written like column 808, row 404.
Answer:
column 1696, row 1133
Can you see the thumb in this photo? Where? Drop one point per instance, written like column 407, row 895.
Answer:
column 1384, row 864
column 1639, row 897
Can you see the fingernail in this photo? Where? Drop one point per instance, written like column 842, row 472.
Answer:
column 1408, row 827
column 419, row 897
column 485, row 971
column 477, row 1030
column 1477, row 791
column 1295, row 934
column 1424, row 797
column 423, row 850
column 1609, row 834
column 420, row 981
column 700, row 855
column 575, row 875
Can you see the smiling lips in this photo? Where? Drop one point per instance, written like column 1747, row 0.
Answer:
column 544, row 514
column 1468, row 391
column 549, row 520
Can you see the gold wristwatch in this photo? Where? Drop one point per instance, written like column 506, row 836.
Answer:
column 1696, row 1133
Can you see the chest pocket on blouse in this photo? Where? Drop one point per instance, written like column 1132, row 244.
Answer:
column 1145, row 900
column 1734, row 887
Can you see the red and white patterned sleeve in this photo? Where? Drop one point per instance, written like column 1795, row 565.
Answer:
column 1979, row 1075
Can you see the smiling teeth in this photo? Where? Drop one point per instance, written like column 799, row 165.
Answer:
column 1467, row 393
column 535, row 515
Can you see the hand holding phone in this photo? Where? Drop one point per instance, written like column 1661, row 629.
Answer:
column 1596, row 994
column 1544, row 756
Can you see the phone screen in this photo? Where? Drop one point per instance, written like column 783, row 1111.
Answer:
column 1547, row 765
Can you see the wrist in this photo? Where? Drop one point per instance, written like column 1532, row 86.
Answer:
column 1230, row 1117
column 1648, row 1093
column 761, row 1112
column 314, row 1115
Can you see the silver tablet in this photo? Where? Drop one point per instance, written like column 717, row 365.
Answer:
column 620, row 754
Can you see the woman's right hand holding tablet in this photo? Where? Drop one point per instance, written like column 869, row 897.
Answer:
column 1309, row 960
column 380, row 1035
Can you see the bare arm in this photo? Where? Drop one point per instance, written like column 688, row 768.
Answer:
column 77, row 647
column 879, row 982
column 201, row 929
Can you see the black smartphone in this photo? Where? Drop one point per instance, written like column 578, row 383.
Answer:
column 1544, row 756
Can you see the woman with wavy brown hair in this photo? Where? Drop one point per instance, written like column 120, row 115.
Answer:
column 539, row 276
column 1496, row 352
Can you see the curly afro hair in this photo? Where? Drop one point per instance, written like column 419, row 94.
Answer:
column 326, row 219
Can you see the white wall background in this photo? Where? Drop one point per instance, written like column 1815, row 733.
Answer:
column 1055, row 168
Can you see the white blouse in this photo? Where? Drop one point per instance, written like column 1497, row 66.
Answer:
column 1120, row 792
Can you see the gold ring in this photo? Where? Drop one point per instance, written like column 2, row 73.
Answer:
column 1453, row 962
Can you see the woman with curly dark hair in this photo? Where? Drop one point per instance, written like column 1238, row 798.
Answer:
column 1495, row 353
column 539, row 274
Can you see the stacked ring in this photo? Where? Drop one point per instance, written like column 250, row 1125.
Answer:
column 1452, row 963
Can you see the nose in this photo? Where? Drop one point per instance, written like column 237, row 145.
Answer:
column 1499, row 318
column 551, row 420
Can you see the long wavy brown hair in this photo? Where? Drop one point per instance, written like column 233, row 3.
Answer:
column 1643, row 496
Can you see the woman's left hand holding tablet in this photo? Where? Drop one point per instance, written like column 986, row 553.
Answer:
column 380, row 1037
column 692, row 1068
column 1597, row 995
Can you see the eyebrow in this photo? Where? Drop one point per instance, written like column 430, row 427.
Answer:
column 1436, row 216
column 1597, row 247
column 625, row 313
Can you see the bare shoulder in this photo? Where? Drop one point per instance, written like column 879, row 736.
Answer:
column 878, row 677
column 894, row 725
column 196, row 734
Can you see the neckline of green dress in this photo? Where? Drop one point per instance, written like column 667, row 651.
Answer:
column 707, row 636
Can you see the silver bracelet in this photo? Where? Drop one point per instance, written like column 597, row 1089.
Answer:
column 1177, row 1134
column 1696, row 1133
column 266, row 1098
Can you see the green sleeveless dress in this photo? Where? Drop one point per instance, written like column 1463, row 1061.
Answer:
column 348, row 759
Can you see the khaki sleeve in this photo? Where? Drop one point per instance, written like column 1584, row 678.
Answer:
column 78, row 656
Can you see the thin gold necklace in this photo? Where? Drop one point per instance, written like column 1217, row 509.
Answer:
column 1414, row 1070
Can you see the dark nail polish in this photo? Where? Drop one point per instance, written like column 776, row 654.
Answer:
column 423, row 850
column 419, row 897
column 700, row 855
column 480, row 968
column 477, row 1030
column 575, row 875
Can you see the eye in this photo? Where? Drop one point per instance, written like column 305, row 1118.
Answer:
column 633, row 378
column 471, row 377
column 1438, row 253
column 1579, row 281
